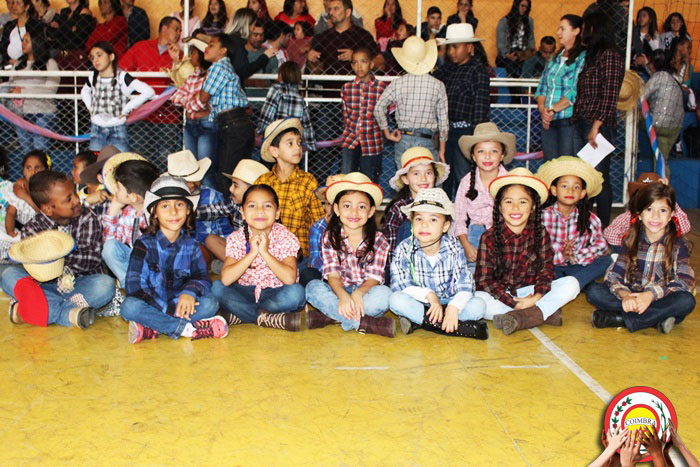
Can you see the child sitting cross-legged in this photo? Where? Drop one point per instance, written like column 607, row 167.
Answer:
column 167, row 285
column 432, row 286
column 71, row 300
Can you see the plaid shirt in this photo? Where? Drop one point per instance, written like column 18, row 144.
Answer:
column 225, row 88
column 587, row 247
column 282, row 101
column 315, row 238
column 188, row 95
column 558, row 81
column 300, row 207
column 392, row 220
column 125, row 226
column 421, row 102
column 225, row 208
column 467, row 89
column 85, row 229
column 618, row 228
column 650, row 274
column 479, row 211
column 519, row 255
column 598, row 88
column 359, row 100
column 347, row 263
column 160, row 271
column 410, row 267
column 221, row 226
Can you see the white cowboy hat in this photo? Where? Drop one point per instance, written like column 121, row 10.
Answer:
column 459, row 33
column 274, row 129
column 415, row 156
column 183, row 164
column 431, row 200
column 42, row 255
column 416, row 56
column 248, row 171
column 520, row 176
column 169, row 187
column 572, row 165
column 355, row 181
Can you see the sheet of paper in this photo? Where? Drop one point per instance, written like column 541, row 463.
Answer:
column 594, row 156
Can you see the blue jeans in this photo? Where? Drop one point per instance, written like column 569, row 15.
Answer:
column 101, row 136
column 30, row 141
column 353, row 160
column 116, row 255
column 200, row 137
column 135, row 309
column 585, row 274
column 96, row 289
column 559, row 139
column 676, row 304
column 320, row 295
column 604, row 199
column 562, row 292
column 240, row 299
column 404, row 305
column 474, row 233
column 459, row 165
column 409, row 141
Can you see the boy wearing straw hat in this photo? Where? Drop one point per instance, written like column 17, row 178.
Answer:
column 421, row 101
column 467, row 85
column 73, row 298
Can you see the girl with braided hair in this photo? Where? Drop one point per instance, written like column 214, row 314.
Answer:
column 514, row 267
column 580, row 250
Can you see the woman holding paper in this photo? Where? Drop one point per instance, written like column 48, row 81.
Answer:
column 598, row 88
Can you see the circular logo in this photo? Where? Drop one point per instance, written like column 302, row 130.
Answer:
column 640, row 406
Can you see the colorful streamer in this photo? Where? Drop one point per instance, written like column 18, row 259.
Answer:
column 660, row 163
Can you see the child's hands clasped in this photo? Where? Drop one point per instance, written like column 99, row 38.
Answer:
column 526, row 302
column 185, row 306
column 637, row 302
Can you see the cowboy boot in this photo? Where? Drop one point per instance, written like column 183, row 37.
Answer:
column 315, row 319
column 467, row 328
column 554, row 319
column 289, row 321
column 521, row 319
column 407, row 326
column 383, row 326
column 498, row 320
column 231, row 319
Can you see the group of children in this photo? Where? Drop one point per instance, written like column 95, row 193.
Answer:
column 522, row 248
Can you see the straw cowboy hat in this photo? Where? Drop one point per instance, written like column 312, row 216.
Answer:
column 572, row 165
column 630, row 91
column 183, row 164
column 89, row 173
column 42, row 255
column 355, row 181
column 320, row 192
column 169, row 187
column 431, row 200
column 248, row 171
column 184, row 68
column 274, row 129
column 643, row 180
column 111, row 165
column 488, row 131
column 520, row 176
column 418, row 156
column 458, row 33
column 416, row 56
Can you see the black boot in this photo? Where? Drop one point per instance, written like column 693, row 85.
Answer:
column 607, row 319
column 407, row 326
column 468, row 328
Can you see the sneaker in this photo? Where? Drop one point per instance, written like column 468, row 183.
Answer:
column 383, row 326
column 315, row 319
column 666, row 325
column 407, row 326
column 289, row 321
column 211, row 327
column 137, row 332
column 113, row 308
column 607, row 319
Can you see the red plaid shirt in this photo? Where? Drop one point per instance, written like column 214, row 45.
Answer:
column 587, row 247
column 618, row 228
column 359, row 99
column 519, row 254
column 122, row 227
column 188, row 95
column 347, row 263
column 598, row 88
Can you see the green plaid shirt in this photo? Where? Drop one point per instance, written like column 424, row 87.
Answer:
column 559, row 80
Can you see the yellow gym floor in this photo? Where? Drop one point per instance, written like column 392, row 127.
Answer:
column 328, row 397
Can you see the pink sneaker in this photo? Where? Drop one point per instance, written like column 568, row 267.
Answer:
column 210, row 327
column 137, row 333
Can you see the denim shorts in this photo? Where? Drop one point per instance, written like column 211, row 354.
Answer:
column 101, row 136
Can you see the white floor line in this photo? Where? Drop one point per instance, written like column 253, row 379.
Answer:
column 509, row 367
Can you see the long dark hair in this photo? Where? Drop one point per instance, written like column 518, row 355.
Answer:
column 107, row 48
column 471, row 192
column 514, row 19
column 653, row 27
column 154, row 226
column 218, row 21
column 40, row 49
column 117, row 7
column 405, row 191
column 288, row 8
column 683, row 31
column 251, row 189
column 397, row 19
column 644, row 198
column 369, row 231
column 583, row 224
column 498, row 223
column 31, row 11
column 673, row 50
column 574, row 21
column 597, row 35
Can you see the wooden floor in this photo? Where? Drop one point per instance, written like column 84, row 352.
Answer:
column 328, row 397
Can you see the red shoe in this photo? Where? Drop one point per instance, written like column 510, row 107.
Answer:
column 211, row 327
column 137, row 333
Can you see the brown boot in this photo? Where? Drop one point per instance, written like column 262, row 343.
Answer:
column 521, row 319
column 230, row 318
column 554, row 319
column 384, row 326
column 288, row 321
column 498, row 320
column 315, row 319
column 82, row 317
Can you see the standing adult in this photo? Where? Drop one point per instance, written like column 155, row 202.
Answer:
column 617, row 17
column 515, row 38
column 138, row 24
column 70, row 31
column 113, row 29
column 159, row 134
column 597, row 92
column 294, row 11
column 387, row 25
column 464, row 14
column 14, row 30
column 556, row 93
column 323, row 23
column 239, row 31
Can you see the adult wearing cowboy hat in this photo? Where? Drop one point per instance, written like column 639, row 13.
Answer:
column 421, row 101
column 467, row 85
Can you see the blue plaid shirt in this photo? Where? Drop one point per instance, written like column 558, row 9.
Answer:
column 160, row 271
column 410, row 267
column 221, row 226
column 283, row 101
column 559, row 80
column 225, row 208
column 225, row 88
column 315, row 237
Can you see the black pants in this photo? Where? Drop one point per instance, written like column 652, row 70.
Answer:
column 236, row 140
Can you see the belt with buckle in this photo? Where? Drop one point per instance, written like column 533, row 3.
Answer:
column 419, row 134
column 460, row 124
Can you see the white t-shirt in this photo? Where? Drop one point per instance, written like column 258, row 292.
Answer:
column 14, row 50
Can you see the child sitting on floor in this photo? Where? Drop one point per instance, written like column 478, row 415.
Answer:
column 432, row 286
column 315, row 264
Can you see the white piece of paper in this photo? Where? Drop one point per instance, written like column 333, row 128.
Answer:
column 594, row 156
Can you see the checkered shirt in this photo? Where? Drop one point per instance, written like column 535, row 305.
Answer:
column 315, row 238
column 598, row 88
column 108, row 97
column 392, row 220
column 587, row 247
column 559, row 80
column 224, row 87
column 467, row 88
column 347, row 263
column 300, row 207
column 283, row 101
column 125, row 226
column 359, row 100
column 618, row 228
column 650, row 275
column 226, row 208
column 188, row 95
column 220, row 227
